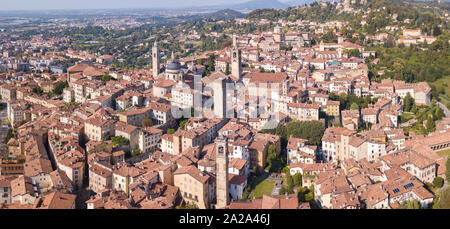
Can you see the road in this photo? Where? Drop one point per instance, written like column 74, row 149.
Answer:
column 444, row 108
column 408, row 123
column 278, row 182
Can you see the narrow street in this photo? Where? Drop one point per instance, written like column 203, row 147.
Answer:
column 82, row 196
column 278, row 182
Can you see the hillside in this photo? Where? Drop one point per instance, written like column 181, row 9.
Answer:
column 226, row 14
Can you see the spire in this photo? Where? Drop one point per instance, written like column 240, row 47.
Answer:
column 234, row 40
column 173, row 56
column 155, row 44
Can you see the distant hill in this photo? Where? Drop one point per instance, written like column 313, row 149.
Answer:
column 259, row 4
column 225, row 14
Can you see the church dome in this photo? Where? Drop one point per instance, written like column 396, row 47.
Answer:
column 174, row 66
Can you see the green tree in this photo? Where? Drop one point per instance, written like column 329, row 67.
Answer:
column 430, row 124
column 273, row 162
column 301, row 194
column 352, row 52
column 183, row 124
column 281, row 131
column 285, row 170
column 106, row 77
column 436, row 30
column 297, row 179
column 329, row 37
column 38, row 90
column 289, row 181
column 354, row 106
column 310, row 130
column 120, row 141
column 309, row 197
column 438, row 182
column 210, row 67
column 408, row 102
column 59, row 87
column 286, row 190
column 438, row 113
column 283, row 190
column 170, row 131
column 135, row 152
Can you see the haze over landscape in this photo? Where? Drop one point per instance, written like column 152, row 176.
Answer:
column 101, row 4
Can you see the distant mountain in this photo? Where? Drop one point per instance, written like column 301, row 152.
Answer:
column 225, row 14
column 259, row 4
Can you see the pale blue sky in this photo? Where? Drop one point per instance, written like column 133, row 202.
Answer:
column 95, row 4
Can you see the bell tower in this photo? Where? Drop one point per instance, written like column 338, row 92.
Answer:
column 277, row 34
column 222, row 194
column 286, row 87
column 156, row 59
column 236, row 65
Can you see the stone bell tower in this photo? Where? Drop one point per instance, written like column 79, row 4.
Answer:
column 286, row 87
column 236, row 65
column 222, row 194
column 156, row 59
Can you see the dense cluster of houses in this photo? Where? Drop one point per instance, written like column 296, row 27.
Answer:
column 121, row 138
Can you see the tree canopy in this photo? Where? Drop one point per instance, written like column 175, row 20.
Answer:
column 59, row 87
column 310, row 130
column 120, row 141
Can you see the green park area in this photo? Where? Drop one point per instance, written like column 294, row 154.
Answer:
column 262, row 187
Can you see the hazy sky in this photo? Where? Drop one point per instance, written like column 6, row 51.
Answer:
column 95, row 4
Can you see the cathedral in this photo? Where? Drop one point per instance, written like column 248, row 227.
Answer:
column 173, row 70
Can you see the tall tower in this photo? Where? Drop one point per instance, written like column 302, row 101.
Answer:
column 220, row 98
column 222, row 194
column 277, row 29
column 156, row 59
column 286, row 86
column 236, row 65
column 277, row 35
